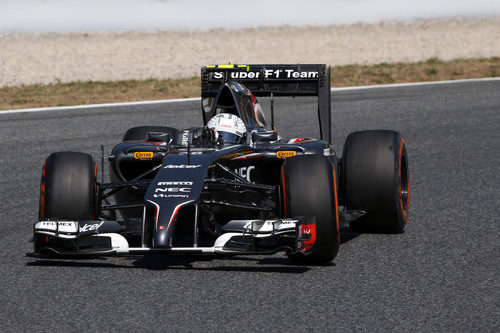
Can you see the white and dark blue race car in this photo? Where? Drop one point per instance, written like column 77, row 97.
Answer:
column 233, row 186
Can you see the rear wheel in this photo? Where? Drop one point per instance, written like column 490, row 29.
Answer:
column 140, row 133
column 375, row 179
column 309, row 189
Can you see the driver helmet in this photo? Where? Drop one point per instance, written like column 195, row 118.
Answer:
column 228, row 127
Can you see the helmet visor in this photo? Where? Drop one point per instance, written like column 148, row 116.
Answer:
column 229, row 137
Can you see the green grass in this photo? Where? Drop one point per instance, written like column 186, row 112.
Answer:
column 90, row 92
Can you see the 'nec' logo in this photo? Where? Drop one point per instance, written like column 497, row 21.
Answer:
column 173, row 189
column 244, row 172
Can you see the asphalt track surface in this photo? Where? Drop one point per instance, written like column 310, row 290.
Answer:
column 441, row 274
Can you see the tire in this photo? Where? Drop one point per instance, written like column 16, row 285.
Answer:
column 140, row 133
column 68, row 187
column 375, row 179
column 309, row 189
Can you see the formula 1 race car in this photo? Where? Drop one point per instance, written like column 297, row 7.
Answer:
column 233, row 186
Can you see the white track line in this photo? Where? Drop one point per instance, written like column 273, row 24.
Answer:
column 93, row 106
column 396, row 85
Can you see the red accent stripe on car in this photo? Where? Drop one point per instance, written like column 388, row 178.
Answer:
column 42, row 199
column 176, row 210
column 336, row 203
column 308, row 229
column 174, row 214
column 285, row 213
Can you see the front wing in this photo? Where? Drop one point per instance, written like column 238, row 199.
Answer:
column 295, row 235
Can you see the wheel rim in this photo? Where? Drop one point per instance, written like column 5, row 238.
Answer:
column 404, row 184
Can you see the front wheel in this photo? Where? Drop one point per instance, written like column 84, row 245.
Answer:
column 68, row 190
column 68, row 187
column 309, row 188
column 375, row 179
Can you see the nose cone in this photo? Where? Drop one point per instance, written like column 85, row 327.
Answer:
column 161, row 238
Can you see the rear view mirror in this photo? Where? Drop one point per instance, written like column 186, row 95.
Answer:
column 264, row 136
column 159, row 137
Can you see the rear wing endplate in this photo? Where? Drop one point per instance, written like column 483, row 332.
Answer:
column 276, row 80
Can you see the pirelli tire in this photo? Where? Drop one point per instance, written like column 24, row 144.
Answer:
column 140, row 133
column 309, row 188
column 68, row 187
column 375, row 179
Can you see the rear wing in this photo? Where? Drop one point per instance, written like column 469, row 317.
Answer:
column 276, row 80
